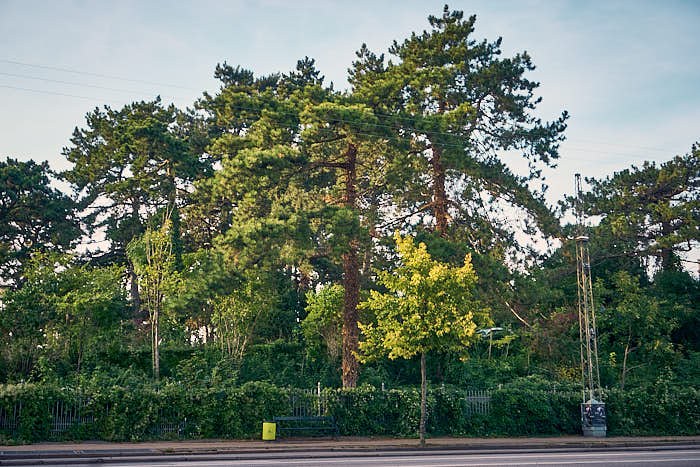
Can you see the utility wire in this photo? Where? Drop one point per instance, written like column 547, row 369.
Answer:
column 646, row 148
column 99, row 75
column 68, row 70
column 73, row 83
column 373, row 135
column 17, row 88
column 416, row 130
column 466, row 141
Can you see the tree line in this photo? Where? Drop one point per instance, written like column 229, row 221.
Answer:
column 282, row 219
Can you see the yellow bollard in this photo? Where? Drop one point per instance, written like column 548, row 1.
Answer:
column 269, row 431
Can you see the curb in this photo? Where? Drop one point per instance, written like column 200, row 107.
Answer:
column 273, row 457
column 278, row 452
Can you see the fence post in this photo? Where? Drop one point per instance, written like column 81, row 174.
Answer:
column 318, row 391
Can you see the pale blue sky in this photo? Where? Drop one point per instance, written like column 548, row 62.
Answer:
column 628, row 72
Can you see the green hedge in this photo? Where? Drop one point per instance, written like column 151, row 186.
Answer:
column 517, row 412
column 135, row 413
column 659, row 411
column 370, row 411
column 140, row 413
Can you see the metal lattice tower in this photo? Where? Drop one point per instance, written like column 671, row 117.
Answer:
column 590, row 375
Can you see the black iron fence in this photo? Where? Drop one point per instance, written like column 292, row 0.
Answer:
column 77, row 412
column 9, row 418
column 36, row 413
column 477, row 402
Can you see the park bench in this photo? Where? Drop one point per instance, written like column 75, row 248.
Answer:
column 306, row 425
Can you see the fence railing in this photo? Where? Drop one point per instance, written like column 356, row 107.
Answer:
column 9, row 419
column 314, row 402
column 478, row 402
column 75, row 412
column 307, row 402
column 66, row 414
column 167, row 422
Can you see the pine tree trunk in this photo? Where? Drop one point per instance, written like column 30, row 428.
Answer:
column 351, row 281
column 133, row 278
column 423, row 397
column 665, row 257
column 351, row 333
column 439, row 195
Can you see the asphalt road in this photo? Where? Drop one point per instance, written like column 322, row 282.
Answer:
column 650, row 455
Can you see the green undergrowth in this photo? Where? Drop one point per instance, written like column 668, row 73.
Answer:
column 176, row 411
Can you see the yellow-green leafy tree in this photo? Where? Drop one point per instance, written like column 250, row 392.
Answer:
column 428, row 307
column 154, row 263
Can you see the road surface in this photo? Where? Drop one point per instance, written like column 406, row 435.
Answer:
column 665, row 456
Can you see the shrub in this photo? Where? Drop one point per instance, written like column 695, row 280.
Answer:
column 140, row 412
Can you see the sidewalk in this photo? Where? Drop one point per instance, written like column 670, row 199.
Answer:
column 349, row 444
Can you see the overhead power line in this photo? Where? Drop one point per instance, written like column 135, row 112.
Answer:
column 88, row 73
column 100, row 75
column 240, row 107
column 72, row 83
column 68, row 70
column 374, row 135
column 646, row 148
column 17, row 88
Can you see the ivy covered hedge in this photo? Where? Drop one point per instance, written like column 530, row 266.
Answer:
column 660, row 411
column 141, row 413
column 175, row 411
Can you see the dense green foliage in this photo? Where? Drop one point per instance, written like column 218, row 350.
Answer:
column 652, row 211
column 34, row 217
column 247, row 238
column 172, row 412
